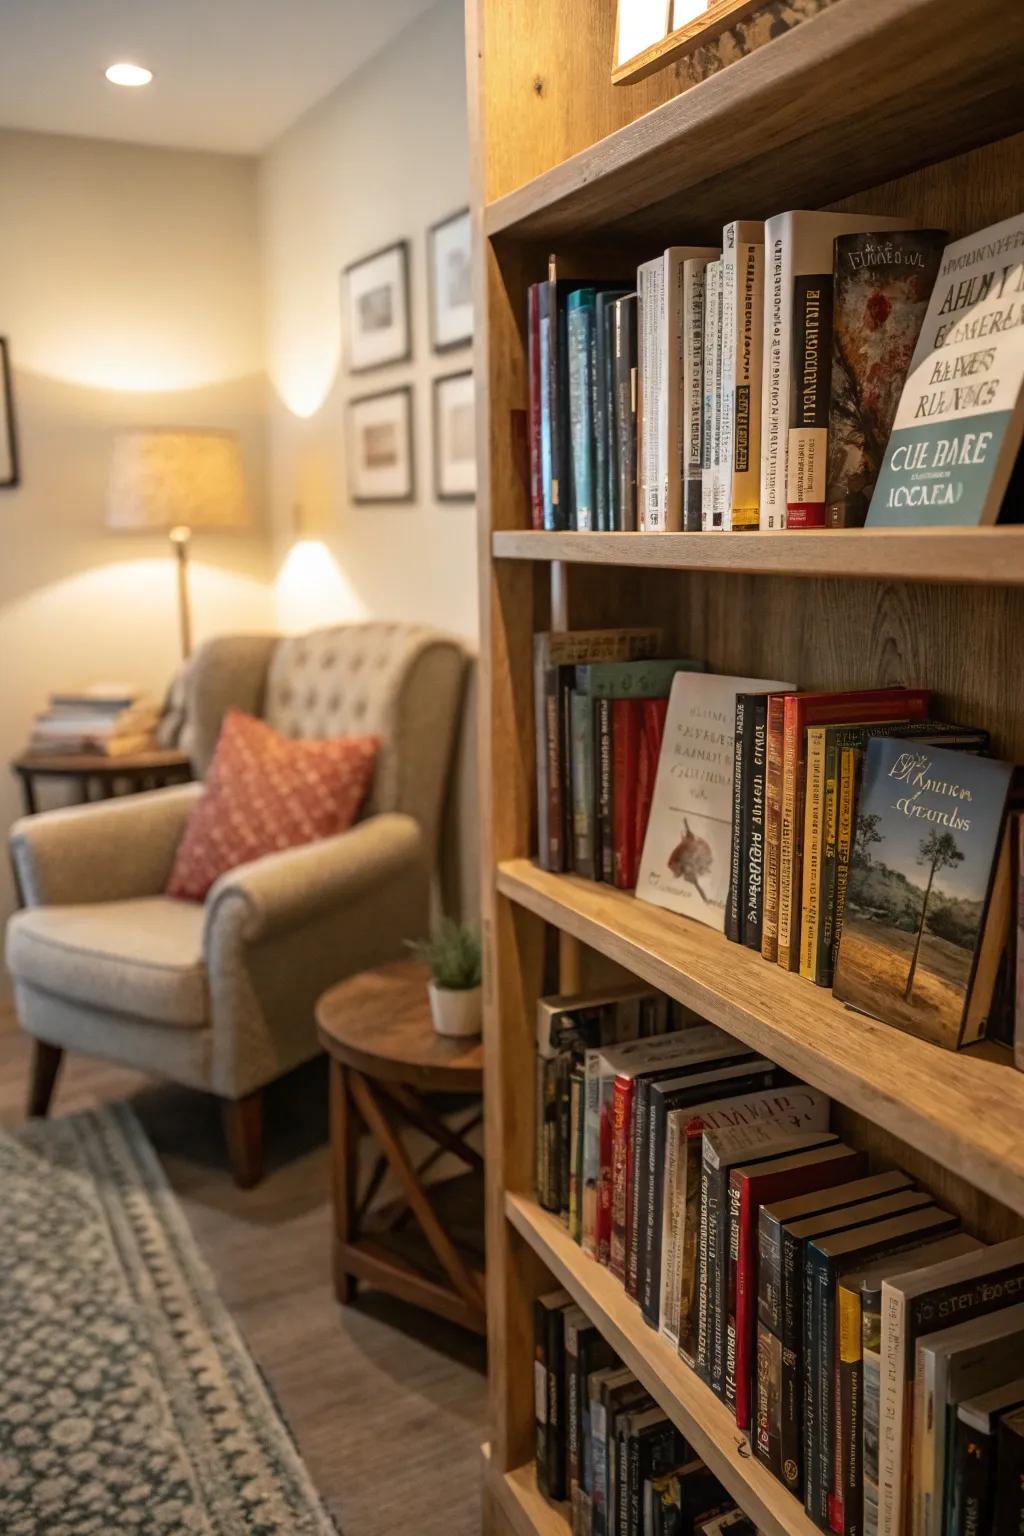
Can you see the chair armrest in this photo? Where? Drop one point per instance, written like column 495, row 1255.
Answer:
column 283, row 890
column 105, row 852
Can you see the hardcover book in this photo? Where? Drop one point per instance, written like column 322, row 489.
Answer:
column 927, row 846
column 581, row 364
column 738, row 481
column 957, row 430
column 972, row 1495
column 694, row 269
column 882, row 286
column 624, row 356
column 687, row 850
column 711, row 412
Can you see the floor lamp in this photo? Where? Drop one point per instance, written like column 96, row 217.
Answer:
column 177, row 481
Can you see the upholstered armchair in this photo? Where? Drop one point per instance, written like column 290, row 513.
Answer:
column 220, row 995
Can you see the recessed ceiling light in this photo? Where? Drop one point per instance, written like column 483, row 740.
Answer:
column 129, row 74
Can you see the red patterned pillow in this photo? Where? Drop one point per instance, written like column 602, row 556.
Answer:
column 265, row 792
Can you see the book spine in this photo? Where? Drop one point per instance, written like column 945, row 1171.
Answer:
column 789, row 871
column 612, row 505
column 892, row 1394
column 555, row 1356
column 692, row 1249
column 746, row 384
column 651, row 367
column 734, row 899
column 712, row 380
column 773, row 489
column 817, row 1417
column 540, row 1395
column 754, row 826
column 736, row 1359
column 599, row 1466
column 651, row 734
column 621, row 1122
column 722, row 487
column 671, row 1235
column 626, row 412
column 767, row 1395
column 591, row 1152
column 600, row 414
column 625, row 751
column 810, row 379
column 823, row 966
column 572, row 1405
column 693, row 402
column 704, row 1261
column 772, row 826
column 795, row 1369
column 847, row 802
column 562, row 479
column 673, row 344
column 555, row 860
column 847, row 1509
column 870, row 1343
column 583, row 775
column 548, row 1186
column 636, row 1186
column 540, row 751
column 563, row 1123
column 744, row 1304
column 605, row 831
column 1009, row 1500
column 534, row 364
column 575, row 1151
column 974, row 1475
column 651, row 1259
column 565, row 675
column 814, row 834
column 580, row 326
column 603, row 1234
column 545, row 327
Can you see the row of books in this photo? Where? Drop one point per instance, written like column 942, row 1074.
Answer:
column 870, row 1349
column 112, row 719
column 850, row 836
column 604, row 1444
column 820, row 369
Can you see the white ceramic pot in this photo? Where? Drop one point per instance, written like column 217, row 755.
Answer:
column 456, row 1013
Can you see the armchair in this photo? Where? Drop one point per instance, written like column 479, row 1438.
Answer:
column 220, row 995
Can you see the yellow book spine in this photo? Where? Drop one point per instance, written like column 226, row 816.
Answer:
column 814, row 839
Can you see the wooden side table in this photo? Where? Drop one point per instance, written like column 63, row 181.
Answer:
column 384, row 1054
column 141, row 770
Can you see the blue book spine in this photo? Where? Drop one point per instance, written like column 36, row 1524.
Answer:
column 580, row 336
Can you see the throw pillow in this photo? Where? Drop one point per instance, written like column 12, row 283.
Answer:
column 265, row 792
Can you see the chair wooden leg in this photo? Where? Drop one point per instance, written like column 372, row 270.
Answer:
column 243, row 1132
column 46, row 1060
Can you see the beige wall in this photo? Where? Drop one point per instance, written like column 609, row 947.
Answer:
column 380, row 160
column 129, row 291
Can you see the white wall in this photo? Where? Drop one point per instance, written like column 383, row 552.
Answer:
column 129, row 292
column 380, row 160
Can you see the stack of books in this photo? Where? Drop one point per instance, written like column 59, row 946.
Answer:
column 113, row 720
column 871, row 1350
column 757, row 384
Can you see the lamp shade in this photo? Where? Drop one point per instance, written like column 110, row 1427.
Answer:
column 167, row 479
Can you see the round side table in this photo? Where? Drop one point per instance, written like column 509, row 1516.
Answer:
column 384, row 1054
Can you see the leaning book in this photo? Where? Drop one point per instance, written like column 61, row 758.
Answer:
column 687, row 850
column 960, row 418
column 927, row 899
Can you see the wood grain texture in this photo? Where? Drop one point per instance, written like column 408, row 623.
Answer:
column 704, row 1420
column 962, row 1111
column 810, row 118
column 993, row 556
column 520, row 1502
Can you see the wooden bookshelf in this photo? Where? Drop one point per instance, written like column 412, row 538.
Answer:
column 705, row 1422
column 991, row 556
column 836, row 112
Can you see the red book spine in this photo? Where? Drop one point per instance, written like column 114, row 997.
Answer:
column 533, row 345
column 746, row 1273
column 622, row 1118
column 603, row 1225
column 652, row 729
column 625, row 762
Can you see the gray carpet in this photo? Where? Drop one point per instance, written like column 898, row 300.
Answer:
column 128, row 1400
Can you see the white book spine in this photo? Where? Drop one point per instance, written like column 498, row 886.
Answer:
column 727, row 387
column 712, row 361
column 671, row 431
column 673, row 1213
column 891, row 1406
column 693, row 388
column 650, row 299
column 778, row 300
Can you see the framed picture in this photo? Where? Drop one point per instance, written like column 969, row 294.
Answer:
column 455, row 437
column 380, row 446
column 9, row 476
column 451, row 282
column 650, row 34
column 375, row 305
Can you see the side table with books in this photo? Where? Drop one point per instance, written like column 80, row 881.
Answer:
column 100, row 776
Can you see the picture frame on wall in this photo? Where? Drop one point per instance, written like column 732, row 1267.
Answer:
column 376, row 309
column 455, row 437
column 9, row 469
column 380, row 446
column 450, row 267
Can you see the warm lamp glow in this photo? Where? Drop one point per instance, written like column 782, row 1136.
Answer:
column 130, row 75
column 311, row 590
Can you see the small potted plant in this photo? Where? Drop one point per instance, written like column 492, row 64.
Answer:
column 453, row 955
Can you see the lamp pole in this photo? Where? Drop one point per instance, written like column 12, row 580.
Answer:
column 180, row 536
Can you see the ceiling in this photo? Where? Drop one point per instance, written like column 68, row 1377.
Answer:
column 228, row 74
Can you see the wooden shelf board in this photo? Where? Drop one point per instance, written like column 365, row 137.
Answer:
column 806, row 119
column 521, row 1502
column 963, row 1110
column 993, row 556
column 707, row 1423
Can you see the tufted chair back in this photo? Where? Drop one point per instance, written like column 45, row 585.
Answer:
column 400, row 682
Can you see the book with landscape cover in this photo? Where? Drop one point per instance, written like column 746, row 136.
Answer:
column 882, row 286
column 687, row 850
column 857, row 1399
column 972, row 1494
column 913, row 1304
column 957, row 430
column 920, row 947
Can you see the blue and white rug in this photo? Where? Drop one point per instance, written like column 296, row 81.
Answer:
column 129, row 1402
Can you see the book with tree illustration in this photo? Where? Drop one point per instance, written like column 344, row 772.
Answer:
column 688, row 847
column 928, row 897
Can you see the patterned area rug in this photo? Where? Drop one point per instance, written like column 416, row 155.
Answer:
column 128, row 1400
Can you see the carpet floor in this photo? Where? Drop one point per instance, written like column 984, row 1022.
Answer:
column 388, row 1407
